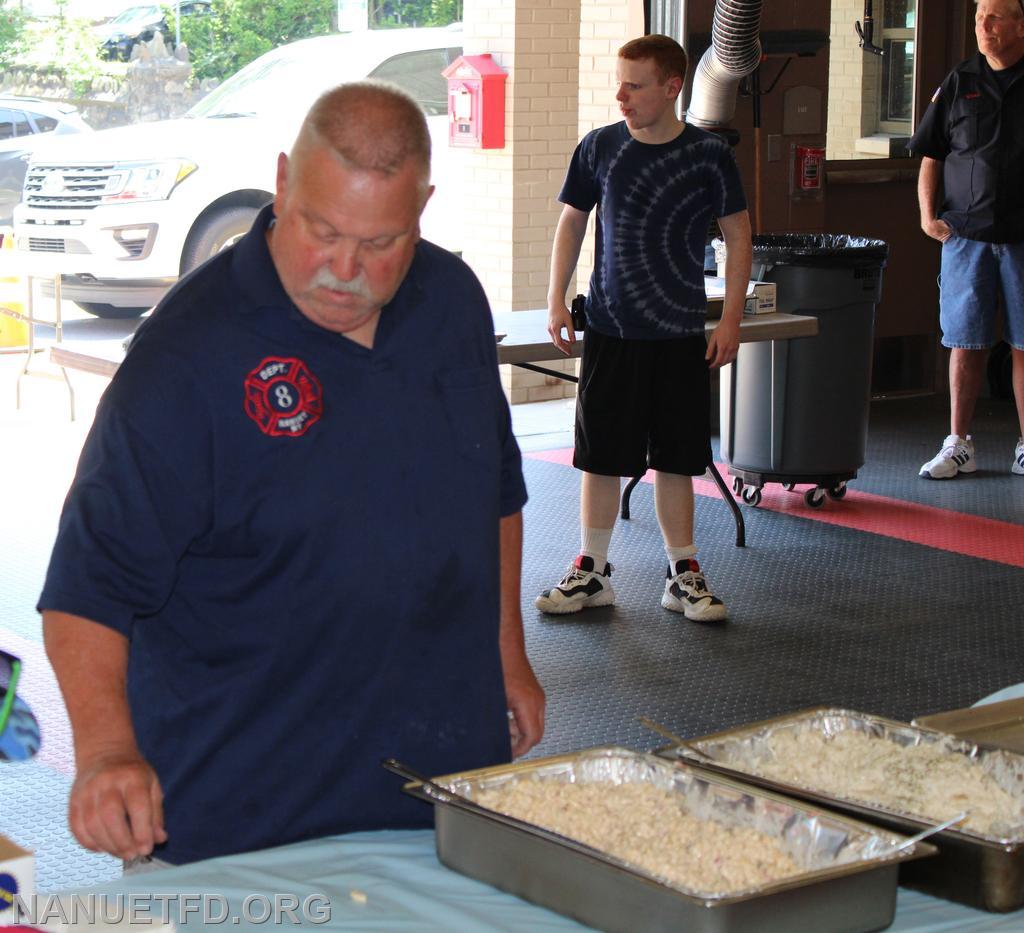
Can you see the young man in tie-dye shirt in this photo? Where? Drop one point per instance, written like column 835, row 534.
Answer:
column 656, row 184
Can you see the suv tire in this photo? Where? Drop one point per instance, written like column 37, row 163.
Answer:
column 216, row 232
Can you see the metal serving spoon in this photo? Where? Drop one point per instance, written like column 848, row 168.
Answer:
column 672, row 737
column 931, row 831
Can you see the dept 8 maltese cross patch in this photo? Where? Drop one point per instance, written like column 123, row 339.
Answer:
column 283, row 397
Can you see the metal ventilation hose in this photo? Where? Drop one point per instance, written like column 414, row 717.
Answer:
column 734, row 53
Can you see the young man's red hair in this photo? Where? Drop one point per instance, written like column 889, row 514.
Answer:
column 667, row 54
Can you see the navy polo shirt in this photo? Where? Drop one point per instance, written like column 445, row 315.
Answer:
column 654, row 205
column 975, row 127
column 300, row 538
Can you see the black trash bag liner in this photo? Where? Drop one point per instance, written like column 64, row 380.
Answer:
column 819, row 249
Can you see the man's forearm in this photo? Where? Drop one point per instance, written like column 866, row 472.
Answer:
column 928, row 182
column 91, row 664
column 737, row 279
column 738, row 258
column 523, row 693
column 511, row 633
column 565, row 253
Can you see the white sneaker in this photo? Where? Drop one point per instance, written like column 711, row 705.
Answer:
column 686, row 591
column 582, row 587
column 956, row 456
column 1018, row 458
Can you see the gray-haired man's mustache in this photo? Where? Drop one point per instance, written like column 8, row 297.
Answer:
column 324, row 278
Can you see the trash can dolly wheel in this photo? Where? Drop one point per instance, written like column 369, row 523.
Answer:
column 747, row 485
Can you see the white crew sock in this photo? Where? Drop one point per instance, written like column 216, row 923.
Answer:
column 594, row 543
column 676, row 554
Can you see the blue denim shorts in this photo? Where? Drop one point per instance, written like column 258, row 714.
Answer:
column 973, row 273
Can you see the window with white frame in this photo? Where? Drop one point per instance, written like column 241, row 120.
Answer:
column 896, row 88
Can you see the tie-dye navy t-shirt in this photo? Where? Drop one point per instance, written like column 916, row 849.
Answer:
column 654, row 205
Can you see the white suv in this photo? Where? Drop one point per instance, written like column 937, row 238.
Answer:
column 122, row 213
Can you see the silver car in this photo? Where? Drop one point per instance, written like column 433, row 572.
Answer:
column 24, row 121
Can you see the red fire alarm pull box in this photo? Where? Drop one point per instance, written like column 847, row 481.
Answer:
column 476, row 102
column 808, row 169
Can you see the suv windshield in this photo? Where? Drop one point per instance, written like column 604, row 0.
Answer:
column 284, row 83
column 265, row 87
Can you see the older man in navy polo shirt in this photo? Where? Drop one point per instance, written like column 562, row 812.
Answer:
column 971, row 140
column 264, row 581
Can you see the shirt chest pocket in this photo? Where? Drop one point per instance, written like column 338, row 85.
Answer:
column 971, row 122
column 467, row 396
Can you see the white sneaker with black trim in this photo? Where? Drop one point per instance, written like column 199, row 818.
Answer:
column 582, row 587
column 686, row 591
column 956, row 456
column 1018, row 458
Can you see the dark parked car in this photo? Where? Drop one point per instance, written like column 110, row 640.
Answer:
column 23, row 122
column 118, row 36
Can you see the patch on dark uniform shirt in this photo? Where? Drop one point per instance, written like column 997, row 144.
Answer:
column 283, row 397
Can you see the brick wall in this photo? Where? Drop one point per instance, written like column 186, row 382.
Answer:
column 604, row 28
column 560, row 59
column 853, row 83
column 510, row 206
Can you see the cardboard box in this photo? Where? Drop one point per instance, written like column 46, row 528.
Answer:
column 17, row 877
column 763, row 299
column 760, row 297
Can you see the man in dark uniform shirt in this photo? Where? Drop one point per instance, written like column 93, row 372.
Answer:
column 256, row 592
column 971, row 140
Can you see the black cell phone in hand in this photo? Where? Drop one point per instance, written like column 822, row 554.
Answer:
column 578, row 312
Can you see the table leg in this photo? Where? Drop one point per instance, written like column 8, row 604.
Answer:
column 737, row 514
column 741, row 534
column 626, row 493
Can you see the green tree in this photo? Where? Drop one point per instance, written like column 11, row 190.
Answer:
column 240, row 31
column 75, row 50
column 388, row 13
column 444, row 12
column 12, row 31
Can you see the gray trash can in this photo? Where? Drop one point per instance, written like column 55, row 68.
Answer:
column 796, row 411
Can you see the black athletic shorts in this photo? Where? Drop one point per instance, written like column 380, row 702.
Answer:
column 643, row 403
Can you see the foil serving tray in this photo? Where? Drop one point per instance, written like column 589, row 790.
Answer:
column 848, row 871
column 981, row 870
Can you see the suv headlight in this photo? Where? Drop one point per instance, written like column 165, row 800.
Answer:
column 146, row 181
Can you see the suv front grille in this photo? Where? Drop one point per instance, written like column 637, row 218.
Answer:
column 41, row 244
column 63, row 187
column 38, row 244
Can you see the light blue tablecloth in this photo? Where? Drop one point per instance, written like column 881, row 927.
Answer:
column 393, row 881
column 1007, row 693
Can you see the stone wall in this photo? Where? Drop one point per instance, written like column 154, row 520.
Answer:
column 155, row 86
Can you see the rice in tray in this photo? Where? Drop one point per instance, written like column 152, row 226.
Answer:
column 648, row 828
column 923, row 780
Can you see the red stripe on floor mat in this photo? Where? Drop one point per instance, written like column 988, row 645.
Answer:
column 943, row 529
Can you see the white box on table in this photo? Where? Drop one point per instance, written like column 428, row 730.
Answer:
column 760, row 296
column 764, row 298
